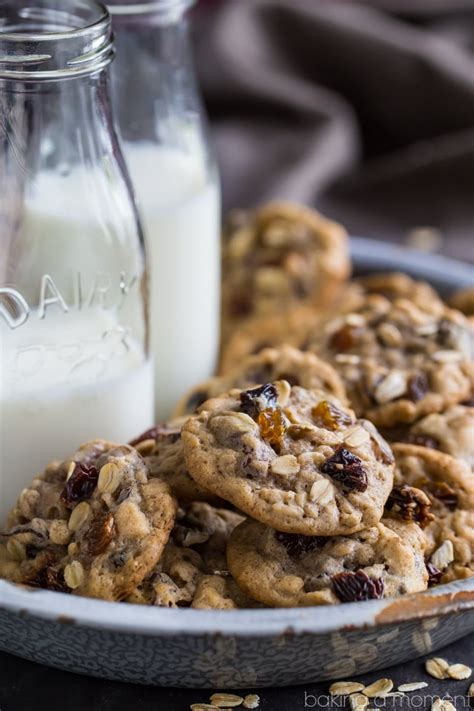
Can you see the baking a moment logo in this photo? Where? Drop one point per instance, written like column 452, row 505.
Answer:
column 396, row 700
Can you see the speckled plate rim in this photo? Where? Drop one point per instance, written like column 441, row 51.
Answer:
column 368, row 255
column 444, row 273
column 144, row 620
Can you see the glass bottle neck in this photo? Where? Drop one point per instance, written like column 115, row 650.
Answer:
column 57, row 122
column 154, row 87
column 46, row 43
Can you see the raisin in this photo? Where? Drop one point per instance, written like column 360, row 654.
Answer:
column 446, row 494
column 410, row 504
column 31, row 551
column 445, row 333
column 54, row 580
column 158, row 433
column 325, row 414
column 353, row 587
column 469, row 402
column 253, row 401
column 297, row 545
column 50, row 579
column 47, row 575
column 168, row 434
column 417, row 387
column 396, row 433
column 345, row 338
column 196, row 400
column 100, row 534
column 241, row 305
column 422, row 440
column 347, row 469
column 272, row 426
column 414, row 347
column 80, row 484
column 434, row 574
column 148, row 434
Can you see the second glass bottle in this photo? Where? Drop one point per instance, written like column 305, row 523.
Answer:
column 163, row 130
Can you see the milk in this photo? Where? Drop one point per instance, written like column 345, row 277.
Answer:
column 71, row 223
column 73, row 364
column 180, row 207
column 61, row 393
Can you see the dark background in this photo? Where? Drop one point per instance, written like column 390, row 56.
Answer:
column 366, row 110
column 363, row 109
column 25, row 686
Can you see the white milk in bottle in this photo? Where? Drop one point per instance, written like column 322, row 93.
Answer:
column 179, row 203
column 164, row 134
column 62, row 395
column 73, row 364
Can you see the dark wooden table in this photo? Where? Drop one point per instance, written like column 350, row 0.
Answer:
column 25, row 686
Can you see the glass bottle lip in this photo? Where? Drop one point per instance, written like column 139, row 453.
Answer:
column 162, row 10
column 42, row 42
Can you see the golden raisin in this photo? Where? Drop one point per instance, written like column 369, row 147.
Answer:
column 325, row 414
column 100, row 534
column 272, row 425
column 345, row 338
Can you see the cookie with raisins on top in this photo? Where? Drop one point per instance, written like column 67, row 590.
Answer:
column 295, row 325
column 291, row 328
column 287, row 570
column 292, row 458
column 280, row 255
column 398, row 361
column 449, row 485
column 451, row 431
column 282, row 363
column 447, row 481
column 450, row 550
column 94, row 525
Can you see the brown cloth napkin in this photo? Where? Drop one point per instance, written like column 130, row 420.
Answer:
column 363, row 109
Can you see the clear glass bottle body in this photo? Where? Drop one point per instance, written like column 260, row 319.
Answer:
column 163, row 130
column 74, row 363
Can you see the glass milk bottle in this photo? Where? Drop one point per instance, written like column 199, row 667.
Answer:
column 73, row 353
column 162, row 126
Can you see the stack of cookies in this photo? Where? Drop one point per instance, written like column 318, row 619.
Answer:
column 329, row 461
